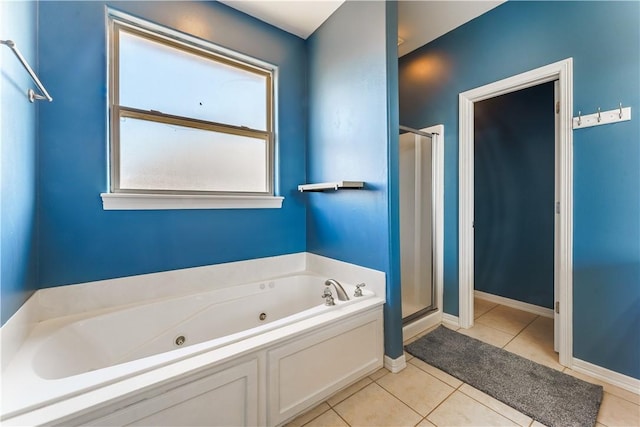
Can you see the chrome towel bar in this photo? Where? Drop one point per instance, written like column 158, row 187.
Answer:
column 30, row 93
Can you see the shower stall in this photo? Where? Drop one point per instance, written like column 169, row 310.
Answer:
column 417, row 230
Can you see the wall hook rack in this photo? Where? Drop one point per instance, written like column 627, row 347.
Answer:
column 33, row 96
column 620, row 114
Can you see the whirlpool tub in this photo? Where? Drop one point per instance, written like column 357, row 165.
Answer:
column 252, row 354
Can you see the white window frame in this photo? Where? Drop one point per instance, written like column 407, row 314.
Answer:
column 123, row 199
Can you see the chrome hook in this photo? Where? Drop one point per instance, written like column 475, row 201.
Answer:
column 599, row 116
column 620, row 113
column 579, row 118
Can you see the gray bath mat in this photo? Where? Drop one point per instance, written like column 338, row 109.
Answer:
column 544, row 394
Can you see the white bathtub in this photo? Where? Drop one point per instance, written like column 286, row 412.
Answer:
column 252, row 354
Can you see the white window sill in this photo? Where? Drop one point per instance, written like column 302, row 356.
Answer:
column 129, row 201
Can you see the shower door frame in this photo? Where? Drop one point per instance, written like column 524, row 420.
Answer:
column 433, row 314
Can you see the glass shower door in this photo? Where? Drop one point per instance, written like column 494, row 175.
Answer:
column 416, row 229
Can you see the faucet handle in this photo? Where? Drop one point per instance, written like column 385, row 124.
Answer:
column 328, row 298
column 358, row 292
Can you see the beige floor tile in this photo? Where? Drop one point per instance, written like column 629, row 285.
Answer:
column 481, row 306
column 615, row 412
column 309, row 415
column 452, row 327
column 374, row 406
column 407, row 356
column 541, row 329
column 439, row 374
column 421, row 391
column 461, row 410
column 379, row 374
column 353, row 388
column 609, row 388
column 496, row 405
column 506, row 319
column 487, row 334
column 533, row 349
column 426, row 423
column 328, row 419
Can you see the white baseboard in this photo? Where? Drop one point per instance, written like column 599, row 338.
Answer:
column 395, row 365
column 519, row 305
column 451, row 320
column 614, row 378
column 420, row 325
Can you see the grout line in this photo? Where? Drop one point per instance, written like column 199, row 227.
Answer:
column 513, row 338
column 486, row 312
column 340, row 416
column 399, row 400
column 493, row 410
column 317, row 416
column 444, row 382
column 416, row 424
column 348, row 396
column 440, row 404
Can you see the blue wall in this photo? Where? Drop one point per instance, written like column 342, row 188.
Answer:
column 18, row 159
column 352, row 134
column 349, row 139
column 602, row 38
column 514, row 195
column 79, row 241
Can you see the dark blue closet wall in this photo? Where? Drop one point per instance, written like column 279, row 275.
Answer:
column 514, row 195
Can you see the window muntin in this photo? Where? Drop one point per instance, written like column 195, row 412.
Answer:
column 187, row 120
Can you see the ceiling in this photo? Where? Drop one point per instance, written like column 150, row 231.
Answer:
column 419, row 21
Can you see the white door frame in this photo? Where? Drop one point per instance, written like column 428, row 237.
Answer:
column 563, row 264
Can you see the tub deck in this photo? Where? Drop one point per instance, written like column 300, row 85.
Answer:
column 95, row 362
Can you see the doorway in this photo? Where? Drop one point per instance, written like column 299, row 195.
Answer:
column 514, row 170
column 563, row 224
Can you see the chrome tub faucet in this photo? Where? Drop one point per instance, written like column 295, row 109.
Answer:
column 342, row 295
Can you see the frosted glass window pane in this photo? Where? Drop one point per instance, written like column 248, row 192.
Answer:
column 154, row 76
column 159, row 156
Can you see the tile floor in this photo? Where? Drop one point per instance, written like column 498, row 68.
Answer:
column 421, row 395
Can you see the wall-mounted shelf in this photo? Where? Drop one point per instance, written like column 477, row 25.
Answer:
column 339, row 185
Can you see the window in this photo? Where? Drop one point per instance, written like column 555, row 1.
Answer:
column 187, row 122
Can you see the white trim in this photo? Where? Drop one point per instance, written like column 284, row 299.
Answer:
column 451, row 320
column 129, row 201
column 196, row 42
column 422, row 324
column 562, row 71
column 519, row 305
column 395, row 365
column 614, row 378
